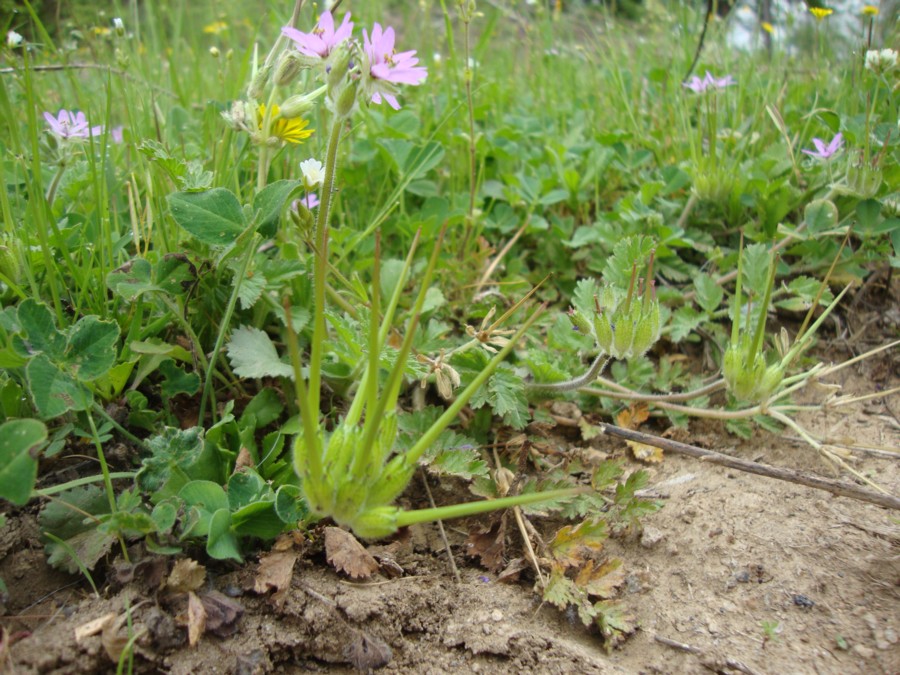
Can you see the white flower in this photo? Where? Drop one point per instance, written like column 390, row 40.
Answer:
column 13, row 39
column 313, row 173
column 880, row 62
column 118, row 26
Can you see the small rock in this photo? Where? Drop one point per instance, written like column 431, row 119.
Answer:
column 863, row 651
column 497, row 615
column 486, row 629
column 890, row 635
column 712, row 626
column 651, row 536
column 671, row 550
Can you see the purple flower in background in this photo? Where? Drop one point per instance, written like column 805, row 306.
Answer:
column 387, row 68
column 71, row 125
column 323, row 38
column 310, row 201
column 116, row 134
column 698, row 85
column 824, row 151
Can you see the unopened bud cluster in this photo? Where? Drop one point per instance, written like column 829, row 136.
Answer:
column 624, row 327
column 748, row 377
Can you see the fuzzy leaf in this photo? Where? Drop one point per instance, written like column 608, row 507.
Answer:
column 214, row 217
column 252, row 354
column 19, row 442
column 709, row 293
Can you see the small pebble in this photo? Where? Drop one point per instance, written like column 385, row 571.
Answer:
column 651, row 536
column 803, row 602
column 863, row 651
column 497, row 615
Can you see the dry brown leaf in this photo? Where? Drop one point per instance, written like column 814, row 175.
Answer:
column 114, row 638
column 244, row 459
column 347, row 555
column 367, row 652
column 222, row 613
column 275, row 573
column 513, row 570
column 196, row 619
column 601, row 581
column 488, row 544
column 186, row 575
column 93, row 627
column 631, row 418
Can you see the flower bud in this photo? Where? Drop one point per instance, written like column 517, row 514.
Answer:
column 118, row 26
column 864, row 180
column 259, row 82
column 579, row 322
column 288, row 68
column 9, row 263
column 347, row 100
column 603, row 332
column 214, row 52
column 339, row 68
column 295, row 106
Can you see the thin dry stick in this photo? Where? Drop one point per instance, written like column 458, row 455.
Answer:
column 496, row 261
column 443, row 532
column 834, row 487
column 711, row 663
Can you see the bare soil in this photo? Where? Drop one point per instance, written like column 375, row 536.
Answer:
column 737, row 573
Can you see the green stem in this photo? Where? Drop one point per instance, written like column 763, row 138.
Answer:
column 223, row 328
column 78, row 482
column 107, row 478
column 405, row 518
column 321, row 267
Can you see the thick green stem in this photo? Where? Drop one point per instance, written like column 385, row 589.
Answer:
column 405, row 518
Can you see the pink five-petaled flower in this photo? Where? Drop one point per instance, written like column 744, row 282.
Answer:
column 323, row 38
column 387, row 68
column 824, row 151
column 698, row 85
column 71, row 125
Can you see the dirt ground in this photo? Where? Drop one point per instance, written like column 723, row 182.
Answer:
column 737, row 573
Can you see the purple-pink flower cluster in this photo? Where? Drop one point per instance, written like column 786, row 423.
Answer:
column 383, row 67
column 699, row 85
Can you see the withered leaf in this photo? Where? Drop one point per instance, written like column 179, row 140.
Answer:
column 244, row 459
column 603, row 580
column 222, row 613
column 93, row 627
column 488, row 544
column 186, row 575
column 113, row 638
column 512, row 571
column 632, row 418
column 347, row 555
column 196, row 619
column 367, row 653
column 274, row 573
column 572, row 545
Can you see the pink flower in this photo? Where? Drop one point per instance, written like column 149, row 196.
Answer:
column 824, row 151
column 323, row 38
column 116, row 134
column 71, row 125
column 698, row 86
column 387, row 68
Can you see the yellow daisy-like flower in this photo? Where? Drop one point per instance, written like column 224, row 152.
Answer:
column 870, row 10
column 766, row 26
column 215, row 27
column 101, row 31
column 820, row 12
column 287, row 130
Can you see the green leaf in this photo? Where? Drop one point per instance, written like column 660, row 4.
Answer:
column 756, row 268
column 270, row 202
column 91, row 348
column 39, row 326
column 583, row 298
column 213, row 217
column 252, row 354
column 173, row 275
column 131, row 279
column 265, row 407
column 247, row 487
column 507, row 397
column 63, row 518
column 290, row 505
column 177, row 381
column 868, row 211
column 709, row 293
column 178, row 455
column 53, row 391
column 820, row 215
column 20, row 441
column 221, row 543
column 251, row 289
column 684, row 321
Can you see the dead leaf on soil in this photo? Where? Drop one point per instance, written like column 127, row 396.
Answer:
column 275, row 573
column 489, row 545
column 196, row 619
column 601, row 581
column 113, row 638
column 572, row 545
column 367, row 653
column 512, row 571
column 222, row 613
column 347, row 555
column 632, row 418
column 186, row 575
column 93, row 627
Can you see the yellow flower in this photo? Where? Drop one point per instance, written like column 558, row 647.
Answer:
column 215, row 28
column 101, row 31
column 766, row 26
column 870, row 10
column 820, row 12
column 287, row 130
